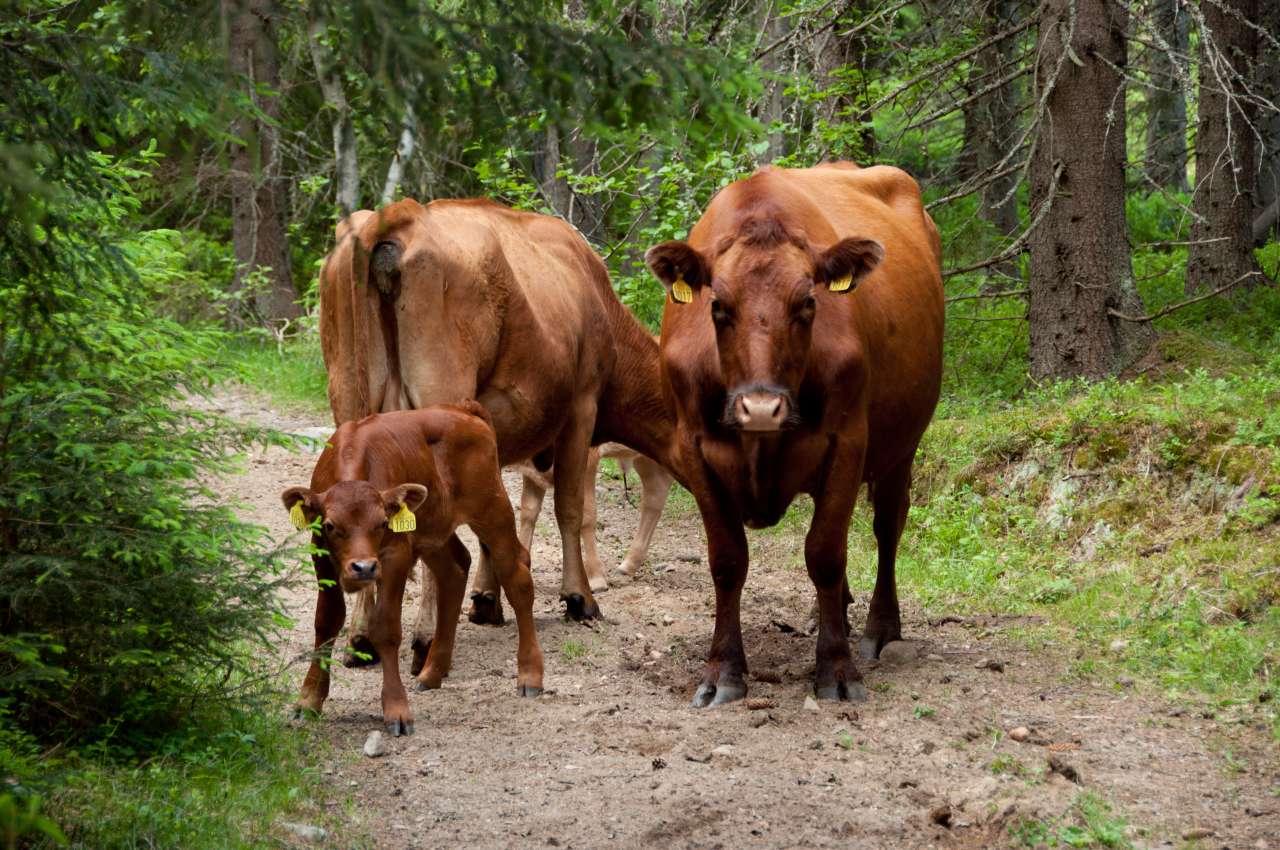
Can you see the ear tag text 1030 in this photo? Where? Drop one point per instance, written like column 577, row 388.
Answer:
column 681, row 291
column 297, row 517
column 841, row 284
column 404, row 520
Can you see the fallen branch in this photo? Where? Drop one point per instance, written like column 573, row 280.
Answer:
column 1010, row 293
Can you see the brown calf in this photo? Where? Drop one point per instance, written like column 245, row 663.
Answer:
column 802, row 353
column 440, row 464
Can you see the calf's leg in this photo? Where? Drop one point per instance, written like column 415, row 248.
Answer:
column 384, row 632
column 331, row 612
column 655, row 484
column 450, row 573
column 431, row 603
column 891, row 498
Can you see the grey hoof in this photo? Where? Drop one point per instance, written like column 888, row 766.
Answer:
column 709, row 695
column 869, row 649
column 486, row 609
column 420, row 650
column 421, row 686
column 364, row 646
column 396, row 728
column 842, row 692
column 528, row 691
column 576, row 607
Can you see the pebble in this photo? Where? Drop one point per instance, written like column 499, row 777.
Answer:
column 374, row 746
column 667, row 619
column 305, row 831
column 1119, row 645
column 810, row 704
column 1019, row 733
column 990, row 664
column 899, row 652
column 933, row 656
column 723, row 750
column 655, row 654
column 1196, row 832
column 759, row 720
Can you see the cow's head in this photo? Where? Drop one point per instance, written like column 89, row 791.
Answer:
column 354, row 523
column 760, row 288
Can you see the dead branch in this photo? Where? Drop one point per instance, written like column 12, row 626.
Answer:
column 1124, row 317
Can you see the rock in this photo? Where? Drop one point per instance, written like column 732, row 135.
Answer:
column 723, row 750
column 810, row 704
column 374, row 746
column 667, row 619
column 305, row 831
column 655, row 654
column 1019, row 733
column 935, row 657
column 990, row 664
column 899, row 652
column 1061, row 503
column 1119, row 645
column 760, row 719
column 1196, row 833
column 760, row 703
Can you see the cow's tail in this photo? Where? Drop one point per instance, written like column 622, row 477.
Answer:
column 375, row 287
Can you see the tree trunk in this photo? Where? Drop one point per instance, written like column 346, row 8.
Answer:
column 841, row 54
column 404, row 150
column 990, row 123
column 1080, row 264
column 1221, row 249
column 1166, row 164
column 1268, row 184
column 772, row 108
column 346, row 166
column 584, row 212
column 259, row 200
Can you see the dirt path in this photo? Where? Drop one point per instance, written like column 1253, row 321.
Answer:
column 613, row 756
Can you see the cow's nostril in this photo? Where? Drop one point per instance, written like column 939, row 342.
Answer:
column 364, row 569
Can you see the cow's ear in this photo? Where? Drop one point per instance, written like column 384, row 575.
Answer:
column 680, row 267
column 848, row 261
column 409, row 496
column 303, row 506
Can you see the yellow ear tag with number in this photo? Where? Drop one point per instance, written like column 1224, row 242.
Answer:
column 841, row 284
column 681, row 291
column 297, row 517
column 404, row 520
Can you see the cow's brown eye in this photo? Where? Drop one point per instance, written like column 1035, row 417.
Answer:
column 806, row 309
column 328, row 527
column 719, row 314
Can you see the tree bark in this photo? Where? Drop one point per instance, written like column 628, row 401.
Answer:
column 404, row 150
column 1080, row 263
column 772, row 107
column 259, row 200
column 840, row 53
column 1268, row 183
column 1166, row 164
column 346, row 165
column 1221, row 248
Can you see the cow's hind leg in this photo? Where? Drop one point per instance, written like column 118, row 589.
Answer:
column 590, row 554
column 655, row 484
column 891, row 498
column 430, row 604
column 331, row 612
column 360, row 649
column 450, row 572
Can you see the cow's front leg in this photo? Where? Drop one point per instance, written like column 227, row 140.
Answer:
column 331, row 612
column 384, row 632
column 360, row 649
column 570, row 476
column 826, row 546
column 725, row 677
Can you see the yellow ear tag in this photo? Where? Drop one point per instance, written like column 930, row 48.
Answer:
column 404, row 520
column 681, row 291
column 297, row 517
column 841, row 284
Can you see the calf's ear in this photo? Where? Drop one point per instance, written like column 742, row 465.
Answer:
column 410, row 496
column 680, row 268
column 848, row 261
column 303, row 506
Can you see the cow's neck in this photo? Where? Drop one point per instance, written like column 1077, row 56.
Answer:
column 761, row 455
column 633, row 411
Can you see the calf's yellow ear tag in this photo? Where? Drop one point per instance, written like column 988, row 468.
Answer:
column 404, row 520
column 681, row 291
column 841, row 284
column 297, row 517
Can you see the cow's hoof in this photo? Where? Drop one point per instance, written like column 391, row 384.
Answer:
column 360, row 652
column 598, row 584
column 303, row 713
column 396, row 728
column 420, row 650
column 427, row 684
column 576, row 607
column 869, row 649
column 842, row 692
column 486, row 609
column 528, row 691
column 711, row 694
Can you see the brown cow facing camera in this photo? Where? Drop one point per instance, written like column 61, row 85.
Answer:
column 391, row 489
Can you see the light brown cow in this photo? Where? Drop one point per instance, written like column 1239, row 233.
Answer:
column 469, row 299
column 802, row 353
column 440, row 466
column 655, row 484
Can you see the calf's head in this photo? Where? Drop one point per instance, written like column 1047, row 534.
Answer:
column 355, row 520
column 760, row 287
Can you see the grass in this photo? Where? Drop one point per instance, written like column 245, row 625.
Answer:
column 231, row 785
column 573, row 650
column 1090, row 822
column 292, row 373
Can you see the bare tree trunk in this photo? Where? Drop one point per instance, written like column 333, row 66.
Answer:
column 1080, row 264
column 404, row 150
column 1268, row 190
column 771, row 109
column 841, row 53
column 1226, row 157
column 1166, row 164
column 259, row 201
column 345, row 157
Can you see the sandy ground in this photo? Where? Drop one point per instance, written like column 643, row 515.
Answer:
column 612, row 754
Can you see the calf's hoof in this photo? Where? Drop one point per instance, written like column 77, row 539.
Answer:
column 367, row 654
column 399, row 726
column 528, row 691
column 576, row 607
column 598, row 584
column 428, row 684
column 842, row 692
column 486, row 609
column 420, row 650
column 711, row 694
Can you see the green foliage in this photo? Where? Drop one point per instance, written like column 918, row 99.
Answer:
column 1089, row 823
